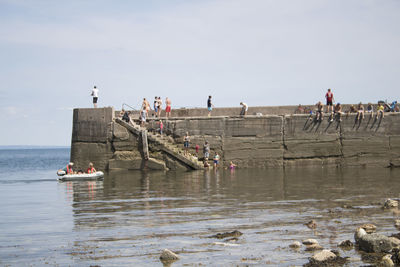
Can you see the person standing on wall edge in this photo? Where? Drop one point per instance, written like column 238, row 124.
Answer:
column 209, row 106
column 329, row 101
column 95, row 94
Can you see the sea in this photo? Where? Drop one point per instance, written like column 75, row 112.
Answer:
column 130, row 217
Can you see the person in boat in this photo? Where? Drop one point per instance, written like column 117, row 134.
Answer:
column 91, row 169
column 68, row 169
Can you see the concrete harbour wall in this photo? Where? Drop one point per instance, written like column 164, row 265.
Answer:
column 252, row 141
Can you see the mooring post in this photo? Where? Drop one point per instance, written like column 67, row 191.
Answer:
column 145, row 145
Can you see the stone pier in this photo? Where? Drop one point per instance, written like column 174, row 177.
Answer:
column 262, row 141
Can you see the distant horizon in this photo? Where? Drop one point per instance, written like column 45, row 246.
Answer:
column 15, row 147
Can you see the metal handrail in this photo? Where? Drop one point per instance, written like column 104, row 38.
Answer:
column 124, row 104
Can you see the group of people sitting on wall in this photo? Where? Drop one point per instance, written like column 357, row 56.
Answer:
column 335, row 111
column 69, row 169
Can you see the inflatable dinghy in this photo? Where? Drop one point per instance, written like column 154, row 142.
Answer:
column 80, row 177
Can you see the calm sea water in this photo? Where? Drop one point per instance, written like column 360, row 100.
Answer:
column 130, row 217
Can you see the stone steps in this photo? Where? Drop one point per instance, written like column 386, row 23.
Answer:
column 166, row 146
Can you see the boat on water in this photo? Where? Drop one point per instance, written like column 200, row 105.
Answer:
column 80, row 177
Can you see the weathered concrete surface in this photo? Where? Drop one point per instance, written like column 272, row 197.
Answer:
column 251, row 141
column 91, row 137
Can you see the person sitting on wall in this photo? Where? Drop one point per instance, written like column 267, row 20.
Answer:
column 360, row 111
column 380, row 110
column 393, row 106
column 338, row 112
column 320, row 111
column 299, row 110
column 91, row 169
column 126, row 117
column 68, row 169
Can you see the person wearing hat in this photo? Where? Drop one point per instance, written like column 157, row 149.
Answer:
column 68, row 169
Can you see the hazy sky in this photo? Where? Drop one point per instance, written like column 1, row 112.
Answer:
column 263, row 52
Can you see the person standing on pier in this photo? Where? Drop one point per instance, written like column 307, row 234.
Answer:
column 186, row 141
column 243, row 112
column 95, row 94
column 209, row 106
column 159, row 105
column 329, row 101
column 168, row 107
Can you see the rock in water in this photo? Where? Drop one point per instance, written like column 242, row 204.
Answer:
column 295, row 244
column 313, row 247
column 311, row 224
column 235, row 233
column 395, row 241
column 390, row 204
column 387, row 261
column 347, row 244
column 397, row 224
column 325, row 258
column 372, row 242
column 168, row 255
column 369, row 228
column 310, row 241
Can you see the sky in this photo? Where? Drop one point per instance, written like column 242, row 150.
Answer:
column 262, row 52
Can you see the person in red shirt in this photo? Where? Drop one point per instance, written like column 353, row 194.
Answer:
column 329, row 101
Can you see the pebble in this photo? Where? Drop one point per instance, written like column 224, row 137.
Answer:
column 310, row 241
column 295, row 244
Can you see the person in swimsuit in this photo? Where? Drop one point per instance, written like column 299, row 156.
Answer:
column 161, row 127
column 155, row 106
column 232, row 166
column 186, row 141
column 168, row 107
column 329, row 101
column 159, row 104
column 216, row 160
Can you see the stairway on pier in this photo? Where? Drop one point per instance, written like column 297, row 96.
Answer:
column 166, row 145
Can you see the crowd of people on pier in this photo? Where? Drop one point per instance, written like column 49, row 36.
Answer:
column 333, row 109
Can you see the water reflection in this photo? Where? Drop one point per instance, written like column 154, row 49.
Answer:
column 137, row 214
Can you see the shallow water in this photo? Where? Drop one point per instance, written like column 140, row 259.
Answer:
column 130, row 217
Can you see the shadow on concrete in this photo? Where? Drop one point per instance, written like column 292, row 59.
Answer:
column 379, row 123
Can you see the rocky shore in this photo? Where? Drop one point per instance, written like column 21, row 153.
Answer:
column 373, row 247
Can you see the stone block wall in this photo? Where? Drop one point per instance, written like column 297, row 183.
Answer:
column 251, row 141
column 91, row 137
column 294, row 140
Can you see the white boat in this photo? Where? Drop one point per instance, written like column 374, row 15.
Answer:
column 80, row 177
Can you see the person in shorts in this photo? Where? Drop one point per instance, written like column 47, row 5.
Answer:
column 329, row 101
column 216, row 160
column 168, row 107
column 95, row 94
